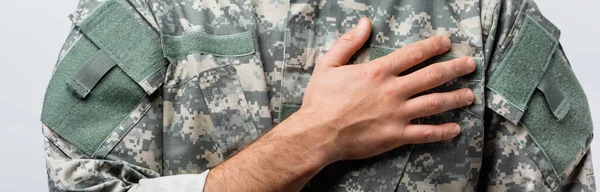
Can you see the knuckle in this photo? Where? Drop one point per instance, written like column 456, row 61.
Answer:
column 374, row 71
column 330, row 59
column 436, row 44
column 458, row 99
column 349, row 36
column 435, row 104
column 415, row 53
column 396, row 114
column 389, row 94
column 458, row 68
column 434, row 75
column 426, row 135
column 445, row 134
column 390, row 134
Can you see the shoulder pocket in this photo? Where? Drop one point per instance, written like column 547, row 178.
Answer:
column 535, row 88
column 116, row 62
column 205, row 81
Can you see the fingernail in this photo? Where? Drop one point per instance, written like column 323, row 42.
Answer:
column 456, row 130
column 469, row 96
column 446, row 42
column 362, row 23
column 471, row 64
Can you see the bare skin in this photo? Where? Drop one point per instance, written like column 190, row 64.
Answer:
column 350, row 112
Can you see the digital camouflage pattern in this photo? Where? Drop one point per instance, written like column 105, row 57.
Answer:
column 212, row 105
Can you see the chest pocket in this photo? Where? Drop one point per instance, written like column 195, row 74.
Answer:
column 116, row 62
column 206, row 111
column 536, row 90
column 406, row 160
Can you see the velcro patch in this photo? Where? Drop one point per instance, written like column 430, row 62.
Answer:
column 127, row 39
column 86, row 123
column 239, row 44
column 523, row 67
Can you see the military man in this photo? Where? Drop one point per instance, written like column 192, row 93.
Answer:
column 324, row 95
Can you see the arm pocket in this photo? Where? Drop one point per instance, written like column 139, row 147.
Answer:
column 536, row 90
column 116, row 62
column 204, row 95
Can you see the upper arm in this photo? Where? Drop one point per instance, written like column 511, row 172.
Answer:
column 113, row 65
column 531, row 85
column 105, row 82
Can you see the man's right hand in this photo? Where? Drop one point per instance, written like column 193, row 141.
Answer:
column 366, row 109
column 350, row 112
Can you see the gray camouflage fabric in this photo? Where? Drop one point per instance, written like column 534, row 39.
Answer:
column 210, row 106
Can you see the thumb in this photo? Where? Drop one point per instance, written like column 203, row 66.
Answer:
column 347, row 45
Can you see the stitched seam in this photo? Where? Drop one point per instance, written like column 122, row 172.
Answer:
column 78, row 86
column 524, row 148
column 508, row 101
column 152, row 74
column 244, row 102
column 542, row 150
column 60, row 148
column 124, row 119
column 127, row 132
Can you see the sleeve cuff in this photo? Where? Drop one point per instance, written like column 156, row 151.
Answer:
column 176, row 183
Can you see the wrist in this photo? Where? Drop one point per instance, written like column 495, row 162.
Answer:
column 284, row 159
column 314, row 135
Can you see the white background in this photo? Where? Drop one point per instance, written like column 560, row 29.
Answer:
column 32, row 32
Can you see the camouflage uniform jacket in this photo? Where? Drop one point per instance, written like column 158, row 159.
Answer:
column 150, row 94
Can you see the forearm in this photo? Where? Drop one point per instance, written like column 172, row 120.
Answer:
column 279, row 161
column 364, row 114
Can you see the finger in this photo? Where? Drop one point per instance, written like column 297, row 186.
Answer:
column 436, row 75
column 347, row 45
column 435, row 103
column 414, row 53
column 418, row 134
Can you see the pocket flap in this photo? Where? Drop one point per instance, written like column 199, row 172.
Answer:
column 128, row 40
column 239, row 44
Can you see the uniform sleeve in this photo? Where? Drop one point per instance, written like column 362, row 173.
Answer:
column 108, row 74
column 70, row 170
column 540, row 124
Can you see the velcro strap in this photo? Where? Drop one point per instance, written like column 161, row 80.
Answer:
column 90, row 74
column 554, row 97
column 126, row 38
column 176, row 47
